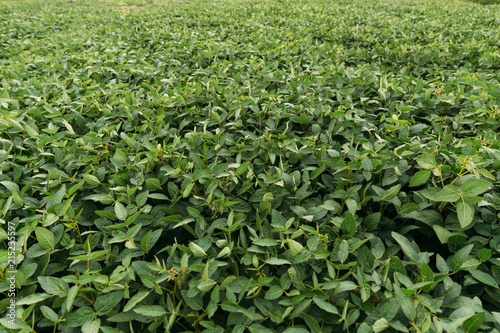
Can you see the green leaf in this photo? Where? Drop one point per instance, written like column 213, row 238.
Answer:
column 352, row 206
column 442, row 233
column 31, row 131
column 441, row 264
column 430, row 193
column 75, row 187
column 187, row 190
column 300, row 308
column 91, row 180
column 32, row 299
column 242, row 168
column 142, row 198
column 145, row 242
column 484, row 278
column 277, row 262
column 267, row 197
column 405, row 302
column 93, row 255
column 455, row 262
column 365, row 257
column 153, row 184
column 265, row 242
column 405, row 246
column 151, row 310
column 231, row 307
column 206, row 286
column 92, row 326
column 274, row 292
column 52, row 285
column 45, row 238
column 449, row 193
column 427, row 162
column 348, row 225
column 120, row 211
column 410, row 207
column 68, row 126
column 484, row 254
column 312, row 323
column 135, row 299
column 342, row 286
column 392, row 192
column 295, row 330
column 104, row 304
column 72, row 292
column 343, row 251
column 486, row 173
column 328, row 307
column 470, row 264
column 420, row 178
column 473, row 324
column 197, row 250
column 380, row 325
column 80, row 317
column 194, row 212
column 295, row 247
column 258, row 328
column 465, row 213
column 49, row 313
column 472, row 187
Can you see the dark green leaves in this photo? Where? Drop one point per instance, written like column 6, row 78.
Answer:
column 427, row 162
column 420, row 178
column 150, row 310
column 348, row 225
column 52, row 285
column 406, row 303
column 45, row 238
column 465, row 213
column 274, row 292
column 473, row 324
column 120, row 211
column 459, row 258
column 106, row 303
column 257, row 166
column 405, row 246
column 91, row 179
column 80, row 317
column 449, row 193
column 483, row 277
column 278, row 262
column 153, row 184
column 472, row 187
column 328, row 307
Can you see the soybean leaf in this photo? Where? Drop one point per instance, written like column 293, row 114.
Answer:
column 45, row 238
column 459, row 258
column 106, row 303
column 473, row 324
column 406, row 303
column 120, row 211
column 405, row 245
column 465, row 213
column 472, row 187
column 484, row 278
column 449, row 193
column 328, row 307
column 135, row 299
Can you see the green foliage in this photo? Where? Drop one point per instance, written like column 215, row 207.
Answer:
column 251, row 166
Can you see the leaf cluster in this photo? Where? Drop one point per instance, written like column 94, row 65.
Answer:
column 251, row 166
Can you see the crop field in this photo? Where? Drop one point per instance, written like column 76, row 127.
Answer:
column 249, row 166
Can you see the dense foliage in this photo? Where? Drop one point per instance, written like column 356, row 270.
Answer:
column 261, row 166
